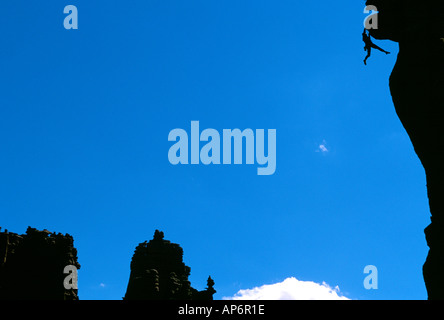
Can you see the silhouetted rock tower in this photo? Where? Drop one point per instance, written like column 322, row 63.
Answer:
column 417, row 89
column 32, row 265
column 158, row 273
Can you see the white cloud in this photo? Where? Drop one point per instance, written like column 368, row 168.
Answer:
column 322, row 147
column 102, row 285
column 290, row 289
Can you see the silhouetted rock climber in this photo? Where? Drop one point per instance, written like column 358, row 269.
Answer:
column 417, row 89
column 369, row 45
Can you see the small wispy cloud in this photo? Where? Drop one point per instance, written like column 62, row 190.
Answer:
column 102, row 285
column 290, row 289
column 322, row 147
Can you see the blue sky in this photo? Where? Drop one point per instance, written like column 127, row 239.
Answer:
column 84, row 122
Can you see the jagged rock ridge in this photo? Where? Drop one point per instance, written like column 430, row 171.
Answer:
column 32, row 265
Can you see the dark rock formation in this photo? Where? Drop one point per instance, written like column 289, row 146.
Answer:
column 417, row 89
column 158, row 273
column 32, row 265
